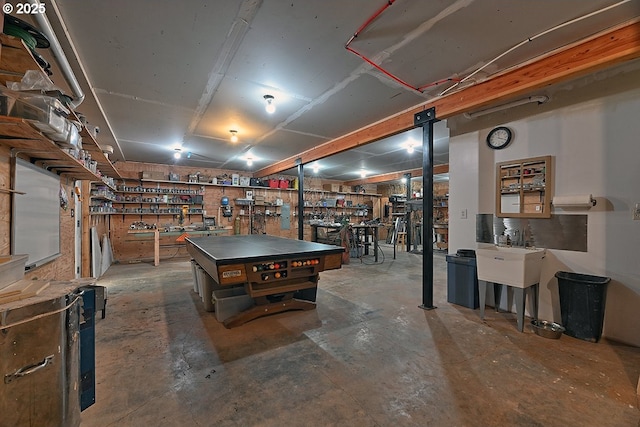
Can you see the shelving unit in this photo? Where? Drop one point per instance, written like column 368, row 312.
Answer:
column 143, row 199
column 441, row 221
column 18, row 134
column 324, row 204
column 523, row 188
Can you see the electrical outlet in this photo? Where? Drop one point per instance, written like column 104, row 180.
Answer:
column 463, row 214
column 636, row 212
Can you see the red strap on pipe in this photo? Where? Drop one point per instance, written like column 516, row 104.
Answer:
column 382, row 70
column 372, row 18
column 379, row 68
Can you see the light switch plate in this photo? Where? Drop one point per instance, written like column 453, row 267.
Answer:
column 463, row 214
column 636, row 212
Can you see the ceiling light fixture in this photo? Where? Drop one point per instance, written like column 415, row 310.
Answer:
column 540, row 99
column 178, row 153
column 403, row 180
column 249, row 161
column 234, row 135
column 316, row 168
column 363, row 173
column 270, row 107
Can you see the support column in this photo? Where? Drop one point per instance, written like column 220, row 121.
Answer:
column 300, row 199
column 426, row 119
column 407, row 214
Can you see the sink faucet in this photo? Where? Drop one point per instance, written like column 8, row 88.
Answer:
column 520, row 239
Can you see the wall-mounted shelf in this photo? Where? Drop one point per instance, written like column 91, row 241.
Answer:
column 17, row 134
column 523, row 188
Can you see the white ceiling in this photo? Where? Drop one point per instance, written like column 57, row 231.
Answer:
column 160, row 73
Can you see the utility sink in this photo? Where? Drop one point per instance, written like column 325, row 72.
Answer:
column 518, row 267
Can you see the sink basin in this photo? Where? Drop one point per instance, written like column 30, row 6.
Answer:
column 518, row 267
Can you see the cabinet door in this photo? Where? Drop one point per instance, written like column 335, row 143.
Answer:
column 523, row 188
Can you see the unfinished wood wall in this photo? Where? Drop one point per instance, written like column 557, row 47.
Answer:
column 5, row 201
column 132, row 248
column 62, row 267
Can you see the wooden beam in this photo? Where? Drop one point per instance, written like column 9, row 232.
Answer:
column 599, row 52
column 394, row 176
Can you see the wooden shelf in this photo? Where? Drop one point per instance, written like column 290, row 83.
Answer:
column 15, row 60
column 18, row 134
column 155, row 203
column 153, row 213
column 104, row 164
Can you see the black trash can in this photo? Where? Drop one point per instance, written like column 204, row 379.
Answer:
column 462, row 279
column 582, row 302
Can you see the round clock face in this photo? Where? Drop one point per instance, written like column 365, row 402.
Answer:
column 499, row 137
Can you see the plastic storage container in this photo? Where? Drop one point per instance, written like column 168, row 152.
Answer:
column 11, row 269
column 582, row 303
column 462, row 279
column 230, row 301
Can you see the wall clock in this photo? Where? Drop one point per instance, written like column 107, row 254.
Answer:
column 499, row 137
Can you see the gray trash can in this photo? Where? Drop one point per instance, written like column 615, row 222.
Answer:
column 462, row 279
column 582, row 302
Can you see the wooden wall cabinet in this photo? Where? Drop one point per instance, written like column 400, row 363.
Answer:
column 524, row 188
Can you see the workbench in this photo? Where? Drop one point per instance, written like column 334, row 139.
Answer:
column 279, row 274
column 156, row 233
column 367, row 235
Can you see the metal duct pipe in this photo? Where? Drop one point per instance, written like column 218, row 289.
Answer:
column 540, row 99
column 58, row 53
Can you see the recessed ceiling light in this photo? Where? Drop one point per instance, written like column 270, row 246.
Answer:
column 316, row 168
column 363, row 173
column 403, row 180
column 270, row 107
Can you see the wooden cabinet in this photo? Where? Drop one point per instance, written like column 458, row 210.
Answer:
column 524, row 188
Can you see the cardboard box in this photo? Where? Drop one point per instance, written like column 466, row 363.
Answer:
column 153, row 175
column 331, row 187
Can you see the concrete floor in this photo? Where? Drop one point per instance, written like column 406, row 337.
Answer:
column 367, row 356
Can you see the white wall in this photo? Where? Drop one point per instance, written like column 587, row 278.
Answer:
column 596, row 150
column 464, row 191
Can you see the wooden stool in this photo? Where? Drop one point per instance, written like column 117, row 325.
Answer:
column 401, row 239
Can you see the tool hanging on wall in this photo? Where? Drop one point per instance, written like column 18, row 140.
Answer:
column 227, row 210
